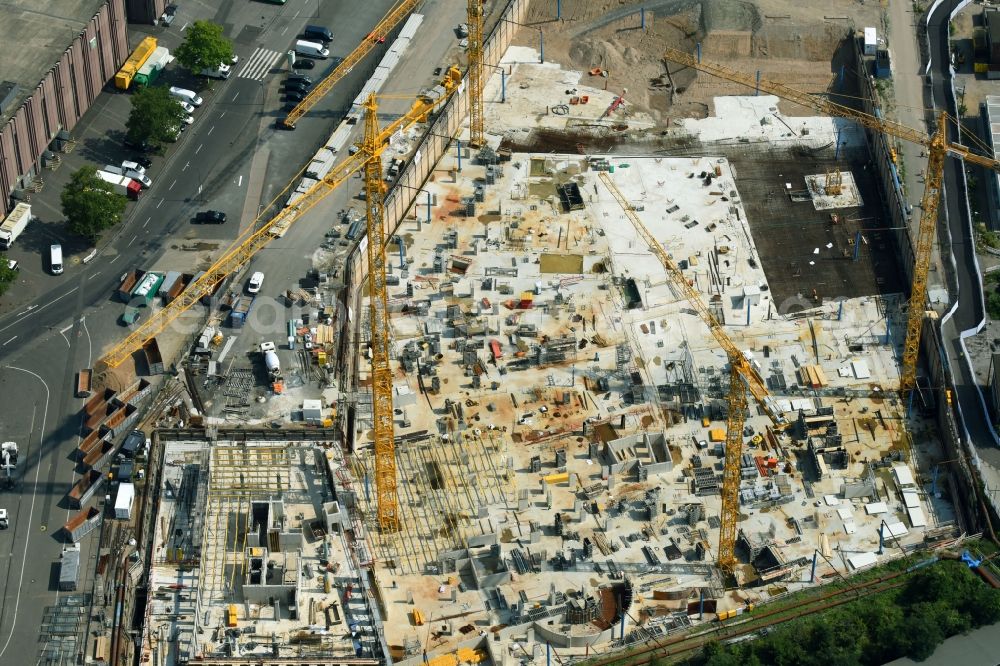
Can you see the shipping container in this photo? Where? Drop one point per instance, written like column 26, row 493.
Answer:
column 69, row 568
column 85, row 488
column 83, row 382
column 82, row 524
column 241, row 310
column 128, row 282
column 154, row 360
column 124, row 500
column 142, row 53
column 150, row 70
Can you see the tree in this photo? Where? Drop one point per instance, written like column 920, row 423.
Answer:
column 204, row 47
column 90, row 205
column 155, row 116
column 7, row 276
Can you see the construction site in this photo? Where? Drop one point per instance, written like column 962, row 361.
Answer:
column 619, row 368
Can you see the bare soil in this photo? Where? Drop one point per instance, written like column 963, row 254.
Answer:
column 788, row 41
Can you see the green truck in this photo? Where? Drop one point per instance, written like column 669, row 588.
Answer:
column 141, row 296
column 150, row 70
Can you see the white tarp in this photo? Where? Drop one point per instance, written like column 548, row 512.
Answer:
column 862, row 560
column 876, row 508
column 917, row 518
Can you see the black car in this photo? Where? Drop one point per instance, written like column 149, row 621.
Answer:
column 210, row 217
column 299, row 77
column 296, row 87
column 134, row 442
column 317, row 33
column 294, row 96
column 142, row 161
column 142, row 146
column 169, row 13
column 304, row 63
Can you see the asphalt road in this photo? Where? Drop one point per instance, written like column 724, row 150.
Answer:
column 969, row 311
column 45, row 342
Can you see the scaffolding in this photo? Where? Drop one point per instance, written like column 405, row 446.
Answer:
column 237, row 475
column 446, row 485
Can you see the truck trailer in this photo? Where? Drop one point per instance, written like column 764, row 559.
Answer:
column 150, row 70
column 121, row 184
column 14, row 224
column 69, row 568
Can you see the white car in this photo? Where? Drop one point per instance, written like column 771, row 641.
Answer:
column 187, row 107
column 188, row 120
column 235, row 59
column 133, row 166
column 256, row 280
column 4, row 524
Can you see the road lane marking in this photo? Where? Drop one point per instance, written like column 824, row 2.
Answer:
column 222, row 115
column 171, row 186
column 12, row 340
column 160, row 202
column 131, row 241
column 32, row 310
column 147, row 221
column 114, row 259
column 31, row 512
column 297, row 14
column 236, row 95
column 284, row 30
column 239, row 183
column 184, row 27
column 198, row 149
column 184, row 168
column 210, row 130
column 94, row 275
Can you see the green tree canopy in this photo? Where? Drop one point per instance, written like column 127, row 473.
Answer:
column 90, row 205
column 155, row 116
column 204, row 47
column 7, row 276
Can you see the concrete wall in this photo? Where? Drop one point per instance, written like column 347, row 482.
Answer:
column 61, row 98
column 931, row 342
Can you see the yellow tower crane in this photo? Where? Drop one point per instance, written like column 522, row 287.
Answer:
column 743, row 377
column 937, row 146
column 382, row 29
column 477, row 127
column 368, row 159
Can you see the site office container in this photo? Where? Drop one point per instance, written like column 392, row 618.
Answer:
column 142, row 53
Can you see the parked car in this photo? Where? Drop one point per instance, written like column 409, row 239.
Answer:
column 255, row 283
column 188, row 120
column 210, row 217
column 187, row 107
column 296, row 86
column 143, row 146
column 317, row 33
column 139, row 164
column 294, row 96
column 300, row 77
column 13, row 265
column 304, row 63
column 169, row 14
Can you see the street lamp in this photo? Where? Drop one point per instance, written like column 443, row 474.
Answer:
column 541, row 38
column 429, row 204
column 503, row 81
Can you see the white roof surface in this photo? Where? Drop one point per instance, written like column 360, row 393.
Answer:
column 896, row 529
column 917, row 518
column 862, row 560
column 876, row 508
column 126, row 493
column 860, row 369
column 904, row 477
column 910, row 499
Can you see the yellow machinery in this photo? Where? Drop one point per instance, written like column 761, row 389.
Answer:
column 369, row 158
column 834, row 182
column 123, row 79
column 743, row 377
column 937, row 148
column 374, row 38
column 477, row 123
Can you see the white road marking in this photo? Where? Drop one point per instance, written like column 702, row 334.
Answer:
column 239, row 183
column 131, row 241
column 236, row 95
column 184, row 27
column 198, row 149
column 93, row 276
column 114, row 259
column 222, row 115
column 171, row 187
column 159, row 203
column 210, row 130
column 147, row 221
column 32, row 310
column 297, row 14
column 259, row 64
column 284, row 30
column 184, row 168
column 10, row 341
column 31, row 512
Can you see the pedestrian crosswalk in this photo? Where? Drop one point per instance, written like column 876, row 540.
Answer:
column 258, row 64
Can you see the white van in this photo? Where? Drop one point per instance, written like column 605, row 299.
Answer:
column 129, row 173
column 185, row 95
column 221, row 72
column 311, row 49
column 55, row 259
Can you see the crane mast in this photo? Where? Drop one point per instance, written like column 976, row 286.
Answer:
column 477, row 131
column 378, row 324
column 938, row 148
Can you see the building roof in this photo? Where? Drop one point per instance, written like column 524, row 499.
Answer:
column 33, row 36
column 992, row 19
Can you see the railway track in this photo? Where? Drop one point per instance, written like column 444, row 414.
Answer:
column 683, row 646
